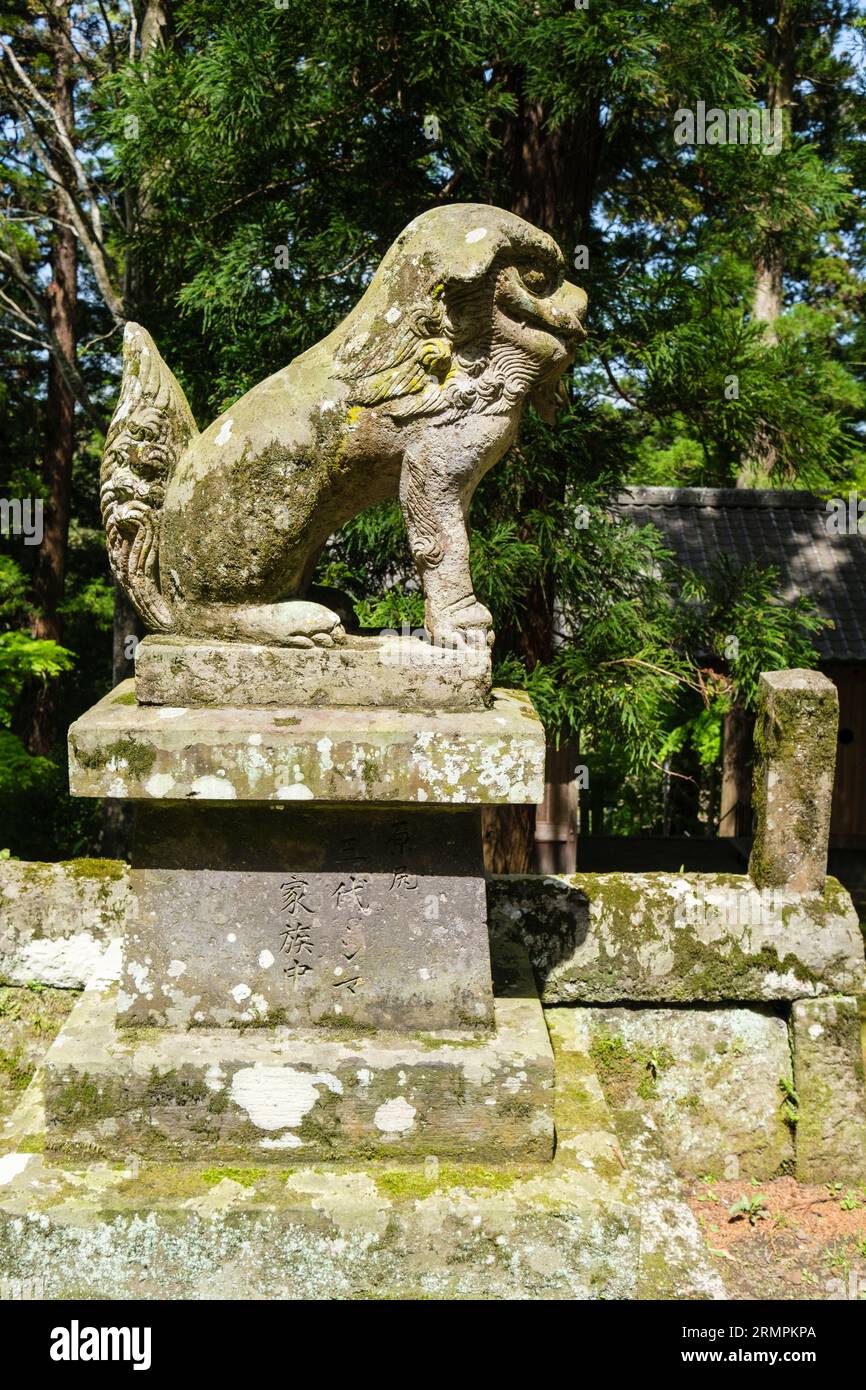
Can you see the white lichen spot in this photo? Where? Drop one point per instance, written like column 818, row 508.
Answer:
column 424, row 973
column 815, row 1030
column 255, row 740
column 395, row 1116
column 240, row 993
column 477, row 234
column 225, row 432
column 11, row 1165
column 283, row 1141
column 176, row 968
column 139, row 974
column 215, row 1077
column 365, row 1076
column 393, row 314
column 324, row 747
column 279, row 1097
column 159, row 784
column 298, row 792
column 213, row 789
column 266, row 960
column 231, row 938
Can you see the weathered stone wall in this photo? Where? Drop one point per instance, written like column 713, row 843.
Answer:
column 58, row 921
column 764, row 1074
column 679, row 938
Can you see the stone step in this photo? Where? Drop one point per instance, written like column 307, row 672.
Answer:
column 567, row 1229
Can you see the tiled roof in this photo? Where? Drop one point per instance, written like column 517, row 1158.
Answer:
column 785, row 529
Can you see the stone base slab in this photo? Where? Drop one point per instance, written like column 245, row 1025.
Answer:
column 373, row 672
column 567, row 1229
column 263, row 1096
column 149, row 752
column 606, row 1219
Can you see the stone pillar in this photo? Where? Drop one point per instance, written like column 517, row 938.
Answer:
column 795, row 758
column 828, row 1078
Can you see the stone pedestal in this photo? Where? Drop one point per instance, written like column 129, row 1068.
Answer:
column 306, row 968
column 365, row 671
column 278, row 1095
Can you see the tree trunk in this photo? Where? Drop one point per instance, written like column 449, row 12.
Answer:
column 59, row 448
column 759, row 468
column 550, row 176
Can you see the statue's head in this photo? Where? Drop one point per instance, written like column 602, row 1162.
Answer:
column 469, row 309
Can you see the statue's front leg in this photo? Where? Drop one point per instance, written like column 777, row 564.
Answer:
column 435, row 510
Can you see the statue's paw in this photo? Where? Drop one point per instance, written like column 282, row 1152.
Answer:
column 468, row 624
column 290, row 623
column 320, row 628
column 319, row 639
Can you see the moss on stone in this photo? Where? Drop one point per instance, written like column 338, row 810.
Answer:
column 247, row 1177
column 624, row 1072
column 111, row 870
column 138, row 757
column 416, row 1183
column 16, row 1071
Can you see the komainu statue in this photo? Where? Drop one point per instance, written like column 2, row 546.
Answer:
column 416, row 394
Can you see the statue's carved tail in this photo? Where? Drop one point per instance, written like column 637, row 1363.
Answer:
column 151, row 427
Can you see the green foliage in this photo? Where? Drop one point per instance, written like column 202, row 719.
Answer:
column 252, row 172
column 23, row 658
column 755, row 1209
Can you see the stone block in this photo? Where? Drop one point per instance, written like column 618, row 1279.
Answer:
column 373, row 671
column 828, row 1076
column 795, row 759
column 567, row 1229
column 710, row 1080
column 288, row 1096
column 58, row 921
column 678, row 938
column 343, row 915
column 150, row 752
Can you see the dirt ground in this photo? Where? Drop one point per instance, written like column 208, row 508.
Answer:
column 783, row 1239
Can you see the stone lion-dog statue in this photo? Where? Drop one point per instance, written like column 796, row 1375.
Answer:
column 416, row 394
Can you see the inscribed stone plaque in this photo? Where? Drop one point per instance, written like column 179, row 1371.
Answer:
column 298, row 915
